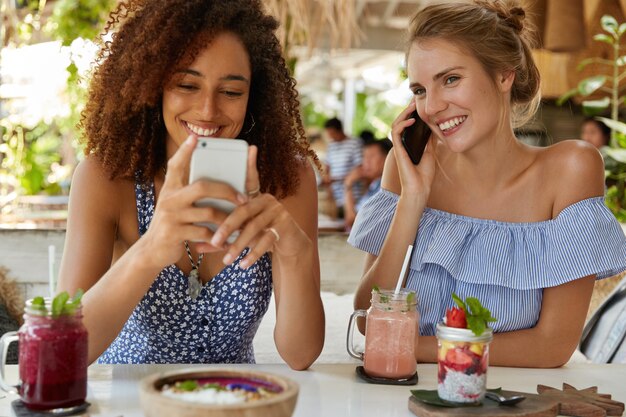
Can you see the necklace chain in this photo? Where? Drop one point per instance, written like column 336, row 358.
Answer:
column 194, row 265
column 194, row 283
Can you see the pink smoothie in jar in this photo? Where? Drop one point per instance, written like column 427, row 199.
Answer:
column 390, row 333
column 389, row 350
column 52, row 359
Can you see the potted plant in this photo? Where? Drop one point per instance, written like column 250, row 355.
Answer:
column 608, row 86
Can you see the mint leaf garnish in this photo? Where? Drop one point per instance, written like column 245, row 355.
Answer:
column 477, row 316
column 39, row 303
column 59, row 302
column 460, row 303
column 410, row 298
column 475, row 306
column 71, row 306
column 476, row 325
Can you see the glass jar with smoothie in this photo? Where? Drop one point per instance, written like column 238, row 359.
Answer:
column 52, row 355
column 390, row 335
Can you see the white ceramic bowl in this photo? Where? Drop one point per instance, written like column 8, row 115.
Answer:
column 155, row 404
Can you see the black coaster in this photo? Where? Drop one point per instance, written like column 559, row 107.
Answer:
column 360, row 372
column 21, row 410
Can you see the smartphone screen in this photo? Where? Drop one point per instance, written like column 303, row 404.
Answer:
column 415, row 138
column 223, row 160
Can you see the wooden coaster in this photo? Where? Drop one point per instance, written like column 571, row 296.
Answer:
column 548, row 403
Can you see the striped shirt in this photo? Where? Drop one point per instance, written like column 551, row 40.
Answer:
column 505, row 265
column 342, row 157
column 371, row 191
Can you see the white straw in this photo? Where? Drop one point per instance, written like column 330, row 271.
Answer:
column 403, row 271
column 51, row 266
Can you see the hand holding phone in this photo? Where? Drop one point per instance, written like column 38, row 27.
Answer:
column 223, row 160
column 415, row 138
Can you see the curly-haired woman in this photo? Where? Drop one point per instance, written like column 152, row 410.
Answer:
column 175, row 69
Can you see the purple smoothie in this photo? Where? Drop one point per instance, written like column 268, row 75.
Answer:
column 53, row 361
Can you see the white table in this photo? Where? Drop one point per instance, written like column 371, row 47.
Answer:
column 334, row 390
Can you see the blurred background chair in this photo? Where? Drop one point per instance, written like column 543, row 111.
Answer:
column 604, row 336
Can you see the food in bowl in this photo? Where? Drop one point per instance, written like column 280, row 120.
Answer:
column 221, row 390
column 213, row 392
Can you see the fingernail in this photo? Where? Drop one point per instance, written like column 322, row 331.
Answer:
column 215, row 240
column 244, row 263
column 228, row 259
column 242, row 198
column 189, row 141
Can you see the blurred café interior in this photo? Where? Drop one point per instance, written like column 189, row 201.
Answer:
column 348, row 60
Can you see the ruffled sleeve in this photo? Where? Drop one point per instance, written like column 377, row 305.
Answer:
column 584, row 239
column 372, row 222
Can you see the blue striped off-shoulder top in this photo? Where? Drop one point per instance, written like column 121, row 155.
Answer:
column 505, row 265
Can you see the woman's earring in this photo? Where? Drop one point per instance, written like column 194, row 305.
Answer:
column 247, row 132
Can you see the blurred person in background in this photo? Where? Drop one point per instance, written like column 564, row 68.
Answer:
column 343, row 155
column 370, row 172
column 595, row 132
column 367, row 135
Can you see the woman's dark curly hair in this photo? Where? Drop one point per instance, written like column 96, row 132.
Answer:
column 151, row 40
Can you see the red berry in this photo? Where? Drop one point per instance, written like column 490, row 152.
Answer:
column 455, row 317
column 458, row 360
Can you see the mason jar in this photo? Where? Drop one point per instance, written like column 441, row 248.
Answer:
column 52, row 358
column 390, row 335
column 463, row 360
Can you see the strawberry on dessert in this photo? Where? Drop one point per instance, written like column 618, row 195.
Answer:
column 455, row 317
column 458, row 359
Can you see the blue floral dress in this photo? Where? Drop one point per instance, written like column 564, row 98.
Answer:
column 167, row 326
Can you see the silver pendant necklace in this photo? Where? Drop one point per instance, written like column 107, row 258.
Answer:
column 194, row 281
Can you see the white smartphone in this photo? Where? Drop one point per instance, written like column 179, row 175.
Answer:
column 223, row 160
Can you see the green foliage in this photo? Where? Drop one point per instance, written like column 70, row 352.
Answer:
column 312, row 115
column 375, row 113
column 73, row 19
column 609, row 85
column 31, row 11
column 26, row 156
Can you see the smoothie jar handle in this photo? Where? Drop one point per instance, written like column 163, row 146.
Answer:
column 5, row 341
column 350, row 338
